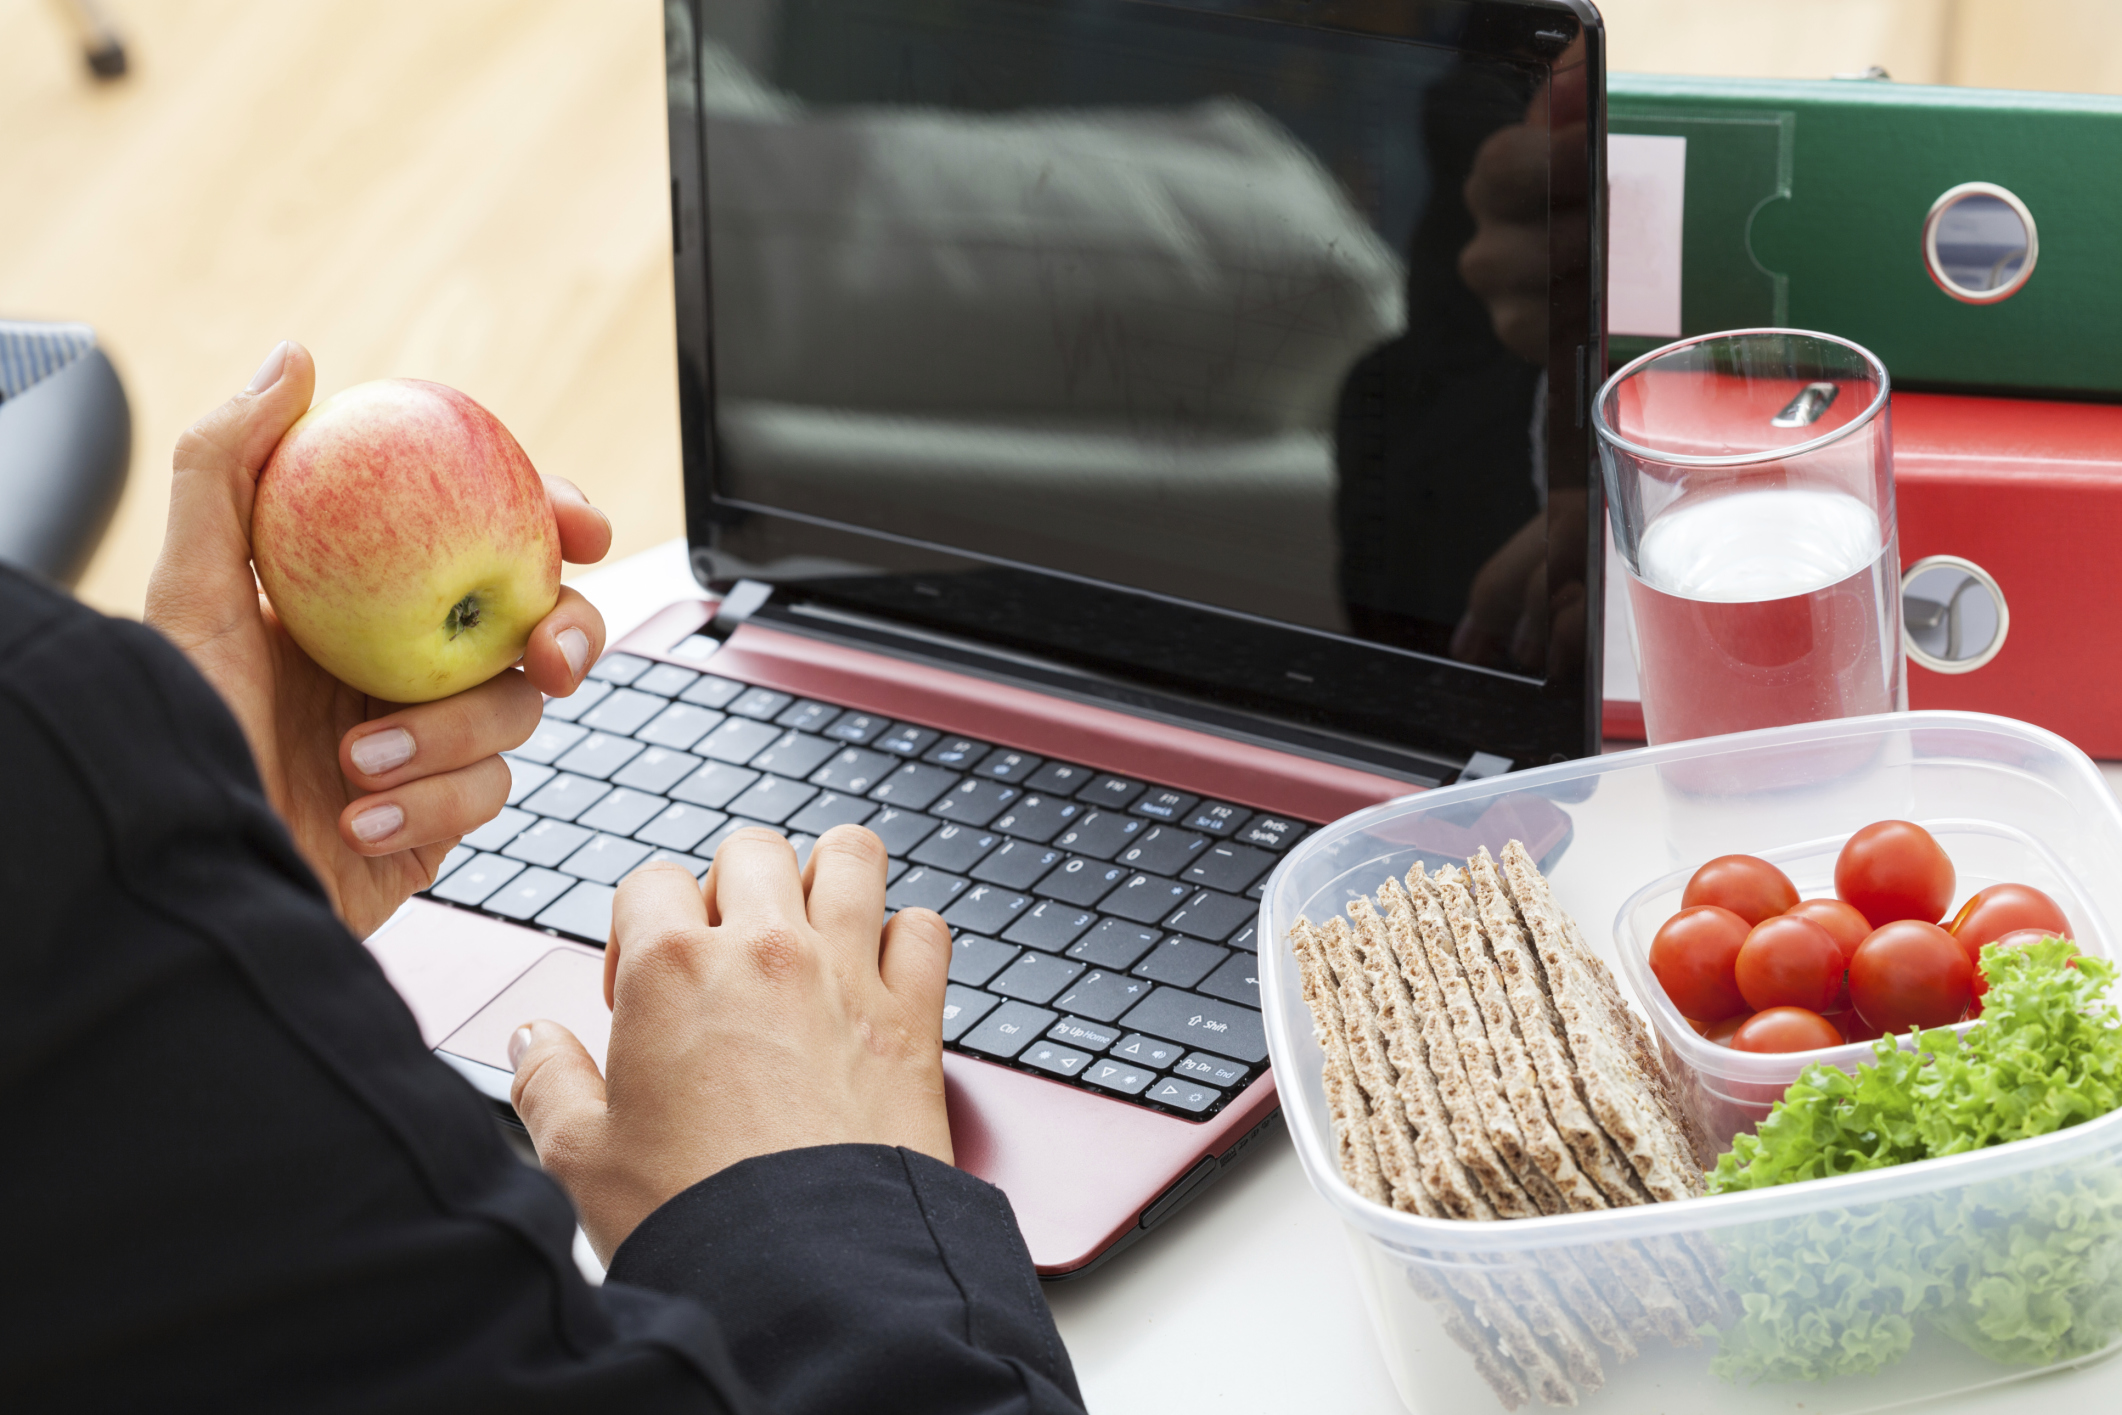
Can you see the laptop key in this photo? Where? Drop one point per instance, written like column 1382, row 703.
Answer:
column 1160, row 804
column 1229, row 868
column 1084, row 1033
column 498, row 831
column 856, row 727
column 679, row 726
column 1212, row 916
column 1218, row 818
column 1048, row 926
column 712, row 692
column 736, row 741
column 1017, row 864
column 1216, row 1070
column 1102, row 834
column 1118, row 1076
column 1244, row 937
column 1145, row 898
column 713, row 841
column 1036, row 818
column 806, row 715
column 694, row 863
column 584, row 911
column 906, row 740
column 795, row 754
column 1052, row 1056
column 986, row 910
column 1184, row 1095
column 974, row 802
column 1112, row 792
column 622, row 812
column 1115, row 943
column 548, row 742
column 1200, row 1022
column 956, row 848
column 1035, row 977
column 1059, row 779
column 973, row 960
column 1164, row 850
column 1181, row 961
column 914, row 785
column 458, row 855
column 763, row 704
column 548, row 843
column 772, row 799
column 586, row 696
column 715, row 784
column 1271, row 832
column 962, row 1007
column 565, row 797
column 656, row 770
column 1152, row 1052
column 622, row 711
column 1003, row 764
column 680, row 826
column 619, row 668
column 604, row 859
column 1102, row 996
column 1237, row 979
column 599, row 756
column 901, row 830
column 828, row 809
column 1079, row 881
column 470, row 883
column 956, row 753
column 924, row 888
column 527, row 893
column 853, row 770
column 665, row 680
column 1008, row 1029
column 524, row 778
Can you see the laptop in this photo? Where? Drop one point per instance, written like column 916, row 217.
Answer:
column 1118, row 438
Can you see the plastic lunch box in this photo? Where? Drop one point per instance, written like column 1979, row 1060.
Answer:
column 1856, row 1293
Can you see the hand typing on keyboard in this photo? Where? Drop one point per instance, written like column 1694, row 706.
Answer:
column 766, row 1008
column 374, row 795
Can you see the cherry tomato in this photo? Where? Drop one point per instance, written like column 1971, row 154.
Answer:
column 1785, row 1029
column 1751, row 888
column 1693, row 956
column 1910, row 974
column 1842, row 922
column 1721, row 1032
column 2017, row 938
column 1893, row 870
column 1788, row 961
column 1852, row 1027
column 1991, row 913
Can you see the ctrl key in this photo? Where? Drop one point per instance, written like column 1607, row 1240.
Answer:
column 1008, row 1029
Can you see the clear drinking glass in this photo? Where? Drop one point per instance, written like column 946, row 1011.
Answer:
column 1749, row 479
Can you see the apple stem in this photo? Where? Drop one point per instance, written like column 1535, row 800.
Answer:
column 464, row 614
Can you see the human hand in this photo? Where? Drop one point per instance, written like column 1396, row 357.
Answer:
column 760, row 1010
column 373, row 793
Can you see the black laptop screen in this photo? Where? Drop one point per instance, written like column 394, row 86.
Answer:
column 1191, row 312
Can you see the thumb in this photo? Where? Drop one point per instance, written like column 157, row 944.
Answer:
column 557, row 1085
column 202, row 585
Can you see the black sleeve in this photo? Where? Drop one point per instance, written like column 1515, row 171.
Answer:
column 236, row 1180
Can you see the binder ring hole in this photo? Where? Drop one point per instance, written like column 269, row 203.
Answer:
column 1979, row 243
column 1953, row 616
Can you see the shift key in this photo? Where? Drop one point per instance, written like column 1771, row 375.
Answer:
column 1204, row 1022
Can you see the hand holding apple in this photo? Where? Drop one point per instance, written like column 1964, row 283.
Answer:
column 374, row 793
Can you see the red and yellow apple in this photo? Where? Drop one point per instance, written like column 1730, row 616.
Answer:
column 405, row 540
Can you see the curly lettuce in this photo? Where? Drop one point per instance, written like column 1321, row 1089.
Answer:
column 2025, row 1271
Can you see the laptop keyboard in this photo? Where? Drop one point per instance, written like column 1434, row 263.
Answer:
column 1102, row 927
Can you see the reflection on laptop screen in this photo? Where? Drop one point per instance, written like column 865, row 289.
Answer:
column 1171, row 300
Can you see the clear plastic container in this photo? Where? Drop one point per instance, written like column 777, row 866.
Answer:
column 1857, row 1293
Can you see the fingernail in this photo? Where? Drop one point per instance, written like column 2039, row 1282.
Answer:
column 574, row 647
column 268, row 372
column 383, row 751
column 377, row 823
column 518, row 1043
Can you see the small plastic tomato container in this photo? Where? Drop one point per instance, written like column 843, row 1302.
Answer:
column 1850, row 1294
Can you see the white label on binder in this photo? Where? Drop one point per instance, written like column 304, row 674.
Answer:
column 1646, row 183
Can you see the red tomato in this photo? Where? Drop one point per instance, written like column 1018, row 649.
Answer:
column 1910, row 974
column 1785, row 1029
column 1751, row 888
column 1991, row 913
column 2017, row 938
column 1852, row 1027
column 1721, row 1032
column 1893, row 870
column 1693, row 956
column 1848, row 927
column 1788, row 961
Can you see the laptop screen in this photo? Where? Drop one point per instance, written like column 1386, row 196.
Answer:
column 1184, row 343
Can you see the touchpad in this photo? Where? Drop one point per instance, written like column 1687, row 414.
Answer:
column 565, row 986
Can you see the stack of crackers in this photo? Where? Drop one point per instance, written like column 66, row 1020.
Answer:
column 1482, row 1064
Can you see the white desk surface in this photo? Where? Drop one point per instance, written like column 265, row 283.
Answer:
column 1246, row 1301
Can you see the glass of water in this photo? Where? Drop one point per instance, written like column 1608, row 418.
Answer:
column 1749, row 479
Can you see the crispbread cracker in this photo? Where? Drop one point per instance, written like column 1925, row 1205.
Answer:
column 1394, row 1142
column 1626, row 1098
column 1586, row 1301
column 1494, row 1366
column 1354, row 1146
column 1514, row 1335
